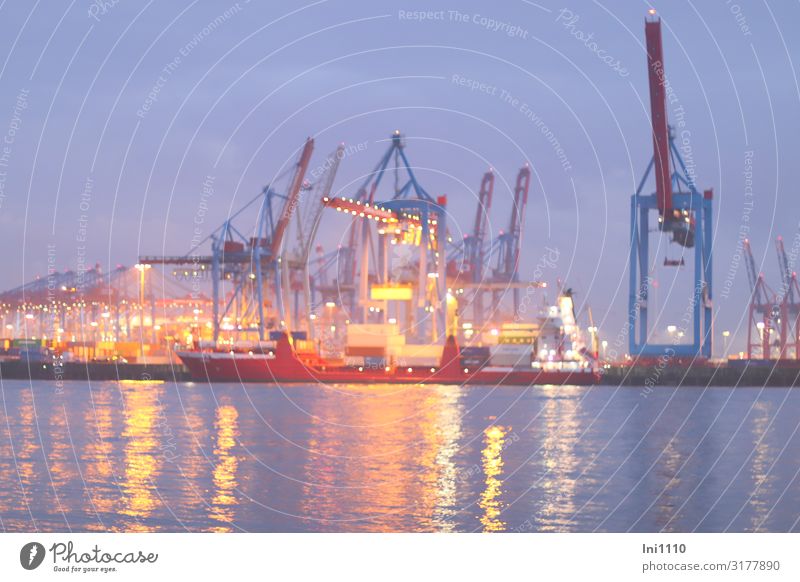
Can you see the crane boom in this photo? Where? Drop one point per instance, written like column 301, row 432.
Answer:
column 291, row 198
column 783, row 262
column 484, row 206
column 752, row 273
column 789, row 305
column 682, row 212
column 658, row 114
column 316, row 206
column 517, row 221
column 475, row 243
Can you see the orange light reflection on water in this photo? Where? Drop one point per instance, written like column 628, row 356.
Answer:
column 26, row 466
column 226, row 464
column 141, row 458
column 97, row 457
column 385, row 455
column 21, row 478
column 492, row 460
column 59, row 460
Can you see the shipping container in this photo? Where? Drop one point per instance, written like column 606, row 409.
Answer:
column 369, row 340
column 377, row 329
column 373, row 351
column 513, row 355
column 231, row 246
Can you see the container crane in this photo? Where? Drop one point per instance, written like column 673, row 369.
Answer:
column 71, row 300
column 418, row 226
column 510, row 242
column 682, row 212
column 789, row 302
column 249, row 265
column 762, row 311
column 348, row 255
column 322, row 289
column 297, row 261
column 475, row 245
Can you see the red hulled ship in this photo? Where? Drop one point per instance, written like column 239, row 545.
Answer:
column 283, row 364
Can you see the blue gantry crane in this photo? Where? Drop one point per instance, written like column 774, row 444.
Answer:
column 475, row 248
column 245, row 265
column 683, row 213
column 410, row 222
column 480, row 267
column 509, row 244
column 789, row 306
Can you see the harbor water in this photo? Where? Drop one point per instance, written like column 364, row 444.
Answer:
column 108, row 456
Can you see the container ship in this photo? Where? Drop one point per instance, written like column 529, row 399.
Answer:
column 548, row 351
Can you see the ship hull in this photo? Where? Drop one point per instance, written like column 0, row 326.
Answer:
column 242, row 367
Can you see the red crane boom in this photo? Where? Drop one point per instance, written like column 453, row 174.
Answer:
column 517, row 218
column 291, row 198
column 481, row 226
column 658, row 115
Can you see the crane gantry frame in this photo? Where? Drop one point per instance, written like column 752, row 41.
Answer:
column 682, row 212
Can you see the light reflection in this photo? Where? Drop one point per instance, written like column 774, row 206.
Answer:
column 98, row 456
column 189, row 457
column 141, row 458
column 494, row 439
column 763, row 458
column 561, row 430
column 671, row 459
column 24, row 479
column 7, row 470
column 225, row 484
column 30, row 444
column 377, row 458
column 59, row 459
column 449, row 430
column 379, row 454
